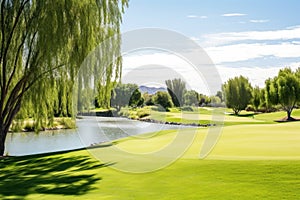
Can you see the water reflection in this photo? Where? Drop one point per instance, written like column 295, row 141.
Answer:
column 90, row 131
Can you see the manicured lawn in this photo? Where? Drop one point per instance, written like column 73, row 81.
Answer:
column 239, row 142
column 205, row 116
column 249, row 162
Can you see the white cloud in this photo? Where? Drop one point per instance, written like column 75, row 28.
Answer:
column 296, row 42
column 203, row 17
column 259, row 20
column 256, row 75
column 224, row 49
column 294, row 65
column 154, row 69
column 194, row 38
column 192, row 16
column 229, row 37
column 233, row 14
column 244, row 51
column 197, row 16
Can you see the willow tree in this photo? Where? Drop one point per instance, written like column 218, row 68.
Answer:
column 284, row 90
column 238, row 93
column 43, row 41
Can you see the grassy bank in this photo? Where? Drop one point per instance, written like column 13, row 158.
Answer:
column 249, row 162
column 205, row 115
column 57, row 123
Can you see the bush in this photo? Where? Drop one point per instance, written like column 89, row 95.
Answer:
column 158, row 108
column 187, row 108
column 143, row 112
column 124, row 112
column 163, row 99
column 148, row 99
column 250, row 108
column 68, row 123
column 16, row 126
column 29, row 126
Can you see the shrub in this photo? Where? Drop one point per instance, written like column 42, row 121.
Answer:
column 250, row 108
column 124, row 112
column 163, row 99
column 68, row 123
column 16, row 126
column 158, row 108
column 187, row 108
column 29, row 126
column 143, row 112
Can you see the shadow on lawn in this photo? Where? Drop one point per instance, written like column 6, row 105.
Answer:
column 46, row 174
column 244, row 115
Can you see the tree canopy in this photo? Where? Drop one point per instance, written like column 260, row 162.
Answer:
column 191, row 98
column 237, row 93
column 256, row 97
column 126, row 95
column 43, row 44
column 176, row 88
column 284, row 89
column 163, row 99
column 220, row 95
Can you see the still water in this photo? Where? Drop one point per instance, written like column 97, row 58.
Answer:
column 90, row 131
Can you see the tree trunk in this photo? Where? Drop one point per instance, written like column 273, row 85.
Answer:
column 236, row 112
column 3, row 134
column 2, row 144
column 289, row 118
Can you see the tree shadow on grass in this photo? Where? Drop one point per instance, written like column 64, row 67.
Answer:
column 244, row 115
column 47, row 174
column 286, row 119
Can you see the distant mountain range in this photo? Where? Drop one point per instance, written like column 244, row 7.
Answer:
column 151, row 90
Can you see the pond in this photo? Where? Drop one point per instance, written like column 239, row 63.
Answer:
column 90, row 131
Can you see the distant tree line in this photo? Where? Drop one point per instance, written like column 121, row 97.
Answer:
column 176, row 96
column 280, row 92
column 182, row 97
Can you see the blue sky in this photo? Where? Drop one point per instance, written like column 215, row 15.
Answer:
column 254, row 38
column 172, row 14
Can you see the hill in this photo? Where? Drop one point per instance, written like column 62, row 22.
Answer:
column 151, row 90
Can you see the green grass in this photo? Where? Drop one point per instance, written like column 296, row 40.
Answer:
column 58, row 123
column 252, row 142
column 207, row 179
column 204, row 116
column 101, row 109
column 185, row 179
column 277, row 115
column 249, row 162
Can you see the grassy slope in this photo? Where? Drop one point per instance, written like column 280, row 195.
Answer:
column 249, row 162
column 204, row 116
column 58, row 123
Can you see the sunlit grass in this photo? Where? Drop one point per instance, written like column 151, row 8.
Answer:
column 254, row 159
column 208, row 115
column 248, row 162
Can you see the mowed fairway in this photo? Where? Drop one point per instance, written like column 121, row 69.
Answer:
column 256, row 161
column 246, row 142
column 207, row 115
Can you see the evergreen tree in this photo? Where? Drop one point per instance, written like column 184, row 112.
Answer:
column 176, row 88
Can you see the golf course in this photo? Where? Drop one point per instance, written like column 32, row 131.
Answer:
column 149, row 100
column 256, row 160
